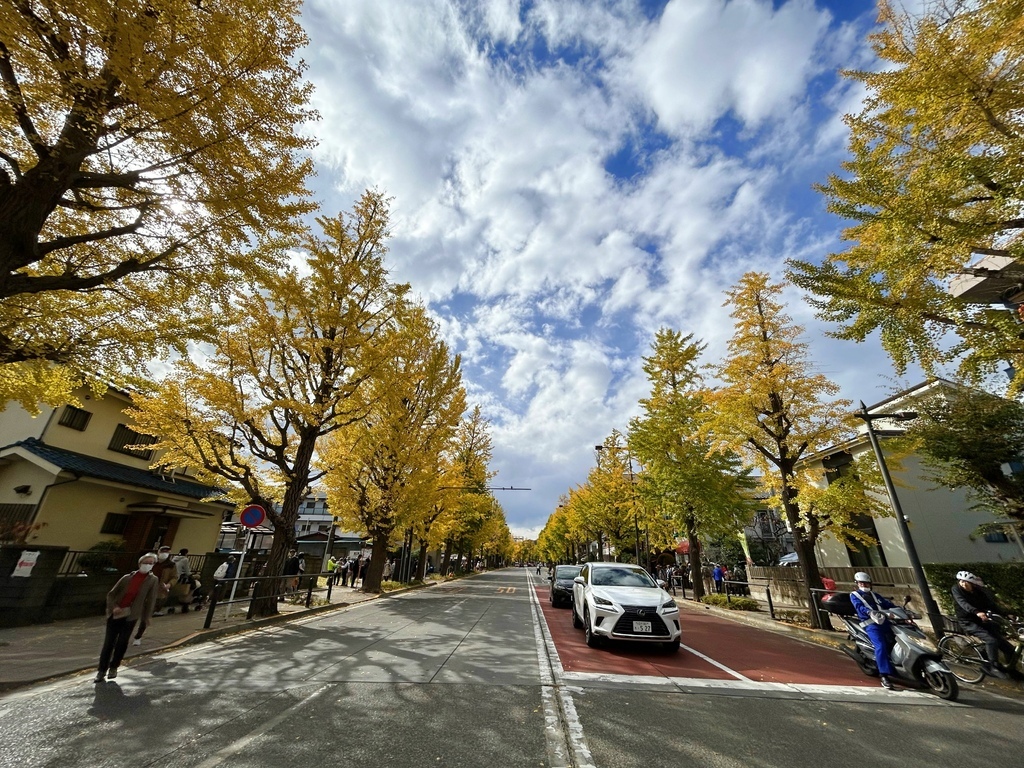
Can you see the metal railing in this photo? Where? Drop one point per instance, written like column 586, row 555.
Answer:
column 243, row 587
column 77, row 562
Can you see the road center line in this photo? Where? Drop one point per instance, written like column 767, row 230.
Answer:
column 238, row 745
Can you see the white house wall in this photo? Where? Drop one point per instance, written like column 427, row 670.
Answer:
column 942, row 524
column 18, row 424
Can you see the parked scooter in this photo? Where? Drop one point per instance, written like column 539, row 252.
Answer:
column 913, row 661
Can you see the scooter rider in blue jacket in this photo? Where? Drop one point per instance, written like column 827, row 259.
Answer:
column 869, row 606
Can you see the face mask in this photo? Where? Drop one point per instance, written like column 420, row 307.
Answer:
column 146, row 567
column 162, row 556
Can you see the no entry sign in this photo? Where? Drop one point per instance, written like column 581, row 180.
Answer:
column 252, row 516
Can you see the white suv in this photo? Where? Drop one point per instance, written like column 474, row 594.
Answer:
column 622, row 602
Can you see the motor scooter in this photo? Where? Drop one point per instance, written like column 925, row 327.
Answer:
column 914, row 662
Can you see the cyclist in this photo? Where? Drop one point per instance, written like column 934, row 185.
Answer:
column 870, row 606
column 973, row 603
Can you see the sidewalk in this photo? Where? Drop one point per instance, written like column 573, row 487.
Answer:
column 41, row 651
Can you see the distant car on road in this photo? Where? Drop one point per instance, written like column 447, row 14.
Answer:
column 622, row 602
column 561, row 584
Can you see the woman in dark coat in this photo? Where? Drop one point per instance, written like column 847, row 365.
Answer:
column 131, row 600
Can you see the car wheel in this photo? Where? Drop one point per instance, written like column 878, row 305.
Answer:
column 588, row 632
column 672, row 646
column 577, row 624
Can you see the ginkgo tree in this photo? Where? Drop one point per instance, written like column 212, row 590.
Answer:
column 287, row 370
column 934, row 184
column 606, row 508
column 705, row 492
column 380, row 475
column 143, row 144
column 775, row 410
column 463, row 487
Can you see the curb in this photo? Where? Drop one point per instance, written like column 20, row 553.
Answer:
column 204, row 635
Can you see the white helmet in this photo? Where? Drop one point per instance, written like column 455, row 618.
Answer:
column 860, row 576
column 968, row 576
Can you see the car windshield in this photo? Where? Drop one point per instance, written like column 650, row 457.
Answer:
column 568, row 571
column 621, row 577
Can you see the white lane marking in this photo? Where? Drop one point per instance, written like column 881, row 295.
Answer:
column 456, row 605
column 815, row 691
column 711, row 661
column 262, row 729
column 551, row 686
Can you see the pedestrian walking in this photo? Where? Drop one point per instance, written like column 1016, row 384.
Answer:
column 166, row 573
column 130, row 601
column 719, row 578
column 291, row 571
column 332, row 566
column 182, row 567
column 353, row 571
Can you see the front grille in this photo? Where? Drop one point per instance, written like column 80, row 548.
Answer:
column 624, row 625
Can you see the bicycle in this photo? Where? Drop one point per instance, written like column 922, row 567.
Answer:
column 964, row 654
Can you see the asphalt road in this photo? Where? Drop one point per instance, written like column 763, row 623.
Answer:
column 468, row 674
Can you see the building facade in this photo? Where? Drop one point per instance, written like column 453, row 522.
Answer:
column 70, row 472
column 944, row 524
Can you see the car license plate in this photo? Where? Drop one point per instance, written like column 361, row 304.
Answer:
column 641, row 626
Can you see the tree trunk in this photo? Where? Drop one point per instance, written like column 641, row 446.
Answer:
column 375, row 571
column 264, row 596
column 447, row 558
column 805, row 554
column 696, row 578
column 600, row 547
column 421, row 569
column 459, row 554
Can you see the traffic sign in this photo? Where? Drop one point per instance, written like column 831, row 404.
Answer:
column 252, row 516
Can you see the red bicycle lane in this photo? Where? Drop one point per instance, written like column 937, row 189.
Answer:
column 752, row 653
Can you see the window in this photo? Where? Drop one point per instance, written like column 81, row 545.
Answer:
column 864, row 555
column 996, row 537
column 75, row 418
column 115, row 523
column 125, row 436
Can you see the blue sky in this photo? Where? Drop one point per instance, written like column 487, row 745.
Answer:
column 570, row 175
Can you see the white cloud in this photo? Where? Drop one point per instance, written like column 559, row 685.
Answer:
column 545, row 271
column 709, row 57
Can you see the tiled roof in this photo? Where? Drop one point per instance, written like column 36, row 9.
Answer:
column 90, row 466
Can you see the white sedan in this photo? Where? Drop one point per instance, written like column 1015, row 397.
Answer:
column 622, row 602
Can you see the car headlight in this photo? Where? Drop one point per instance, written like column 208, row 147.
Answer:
column 669, row 606
column 602, row 601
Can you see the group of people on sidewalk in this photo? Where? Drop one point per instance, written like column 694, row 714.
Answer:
column 348, row 572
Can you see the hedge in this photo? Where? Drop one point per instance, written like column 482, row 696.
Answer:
column 733, row 604
column 1006, row 580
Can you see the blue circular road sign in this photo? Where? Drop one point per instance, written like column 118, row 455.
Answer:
column 252, row 516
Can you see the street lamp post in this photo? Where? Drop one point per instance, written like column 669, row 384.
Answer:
column 632, row 493
column 934, row 617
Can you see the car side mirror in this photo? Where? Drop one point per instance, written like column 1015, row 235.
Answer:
column 662, row 583
column 579, row 580
column 550, row 578
column 906, row 601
